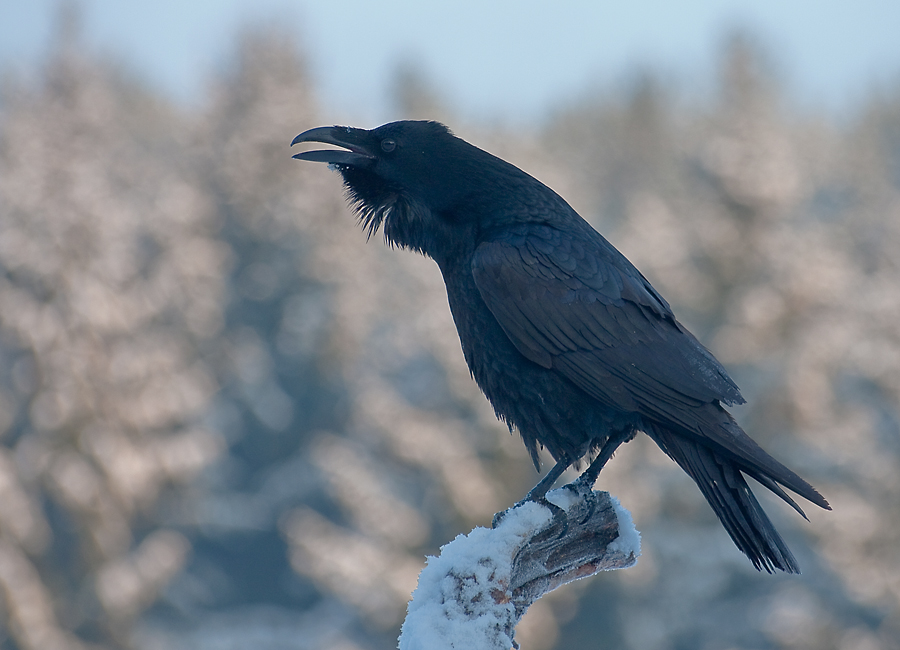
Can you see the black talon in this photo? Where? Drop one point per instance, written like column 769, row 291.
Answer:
column 592, row 506
column 560, row 519
column 585, row 494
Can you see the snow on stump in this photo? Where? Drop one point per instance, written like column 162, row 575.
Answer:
column 472, row 596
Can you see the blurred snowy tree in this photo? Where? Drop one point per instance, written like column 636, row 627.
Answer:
column 226, row 420
column 111, row 281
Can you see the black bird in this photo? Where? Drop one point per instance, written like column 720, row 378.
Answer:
column 569, row 342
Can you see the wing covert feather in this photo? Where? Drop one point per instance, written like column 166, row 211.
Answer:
column 576, row 305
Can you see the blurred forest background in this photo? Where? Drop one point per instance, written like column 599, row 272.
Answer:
column 226, row 421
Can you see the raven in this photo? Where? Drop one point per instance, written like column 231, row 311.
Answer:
column 571, row 345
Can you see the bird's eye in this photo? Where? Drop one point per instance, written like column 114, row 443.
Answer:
column 388, row 145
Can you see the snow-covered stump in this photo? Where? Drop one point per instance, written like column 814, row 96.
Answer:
column 472, row 596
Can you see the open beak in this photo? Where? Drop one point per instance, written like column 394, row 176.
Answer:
column 355, row 151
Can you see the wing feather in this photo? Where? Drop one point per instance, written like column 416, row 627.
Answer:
column 575, row 304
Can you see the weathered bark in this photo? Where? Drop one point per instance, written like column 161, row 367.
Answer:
column 473, row 594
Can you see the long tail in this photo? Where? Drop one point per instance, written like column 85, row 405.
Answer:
column 719, row 476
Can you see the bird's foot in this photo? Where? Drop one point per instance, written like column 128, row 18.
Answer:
column 559, row 521
column 583, row 490
column 536, row 494
column 500, row 516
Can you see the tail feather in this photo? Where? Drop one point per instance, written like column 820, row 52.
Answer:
column 720, row 480
column 755, row 462
column 776, row 489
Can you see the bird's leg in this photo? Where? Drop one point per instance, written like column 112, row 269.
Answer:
column 538, row 492
column 589, row 476
column 584, row 484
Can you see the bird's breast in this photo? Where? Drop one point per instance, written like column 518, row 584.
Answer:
column 545, row 407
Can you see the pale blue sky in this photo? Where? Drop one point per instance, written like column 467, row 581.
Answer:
column 496, row 59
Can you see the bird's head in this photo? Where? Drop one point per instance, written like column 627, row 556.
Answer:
column 414, row 179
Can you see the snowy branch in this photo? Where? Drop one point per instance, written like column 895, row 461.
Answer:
column 473, row 594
